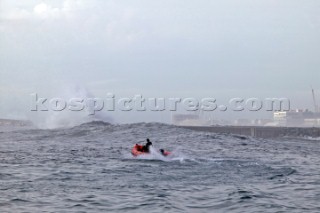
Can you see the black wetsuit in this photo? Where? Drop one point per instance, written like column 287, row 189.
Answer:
column 146, row 148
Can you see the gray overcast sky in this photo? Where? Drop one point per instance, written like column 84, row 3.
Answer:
column 168, row 48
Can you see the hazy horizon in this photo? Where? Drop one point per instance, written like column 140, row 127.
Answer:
column 199, row 49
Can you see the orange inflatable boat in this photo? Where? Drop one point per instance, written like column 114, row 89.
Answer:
column 138, row 150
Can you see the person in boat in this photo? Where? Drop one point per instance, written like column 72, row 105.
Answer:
column 146, row 148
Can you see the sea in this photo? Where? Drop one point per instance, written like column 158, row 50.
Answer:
column 89, row 168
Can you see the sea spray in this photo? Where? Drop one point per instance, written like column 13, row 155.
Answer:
column 51, row 119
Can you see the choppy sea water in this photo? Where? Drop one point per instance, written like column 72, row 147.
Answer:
column 89, row 168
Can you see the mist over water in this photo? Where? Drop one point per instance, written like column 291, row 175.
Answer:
column 89, row 168
column 45, row 116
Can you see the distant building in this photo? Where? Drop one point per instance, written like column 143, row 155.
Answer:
column 280, row 118
column 252, row 122
column 297, row 118
column 242, row 122
column 189, row 120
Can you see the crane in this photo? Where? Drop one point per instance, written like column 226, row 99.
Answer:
column 316, row 109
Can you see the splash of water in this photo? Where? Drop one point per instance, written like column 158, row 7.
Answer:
column 67, row 118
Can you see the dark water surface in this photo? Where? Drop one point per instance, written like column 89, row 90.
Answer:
column 89, row 169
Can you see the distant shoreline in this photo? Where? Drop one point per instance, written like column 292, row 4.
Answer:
column 13, row 122
column 261, row 131
column 253, row 131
